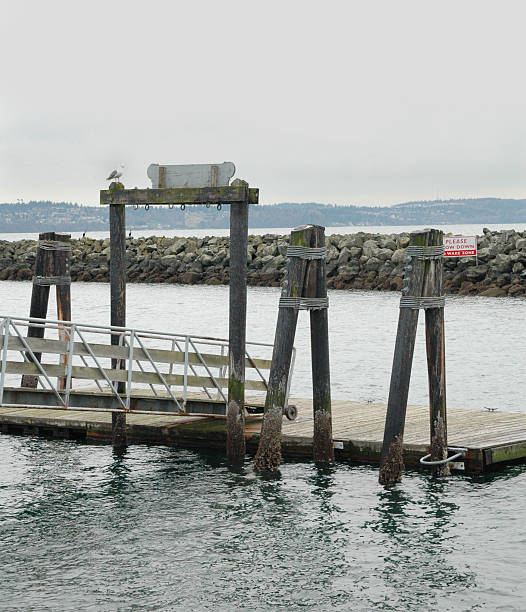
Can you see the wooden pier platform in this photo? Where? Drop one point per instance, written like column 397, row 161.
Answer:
column 491, row 438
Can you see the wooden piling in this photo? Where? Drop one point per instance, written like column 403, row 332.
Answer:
column 63, row 294
column 323, row 448
column 235, row 444
column 44, row 266
column 435, row 349
column 118, row 301
column 391, row 463
column 268, row 456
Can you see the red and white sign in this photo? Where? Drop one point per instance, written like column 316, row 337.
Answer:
column 460, row 246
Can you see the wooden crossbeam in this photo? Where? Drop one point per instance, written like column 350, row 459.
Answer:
column 180, row 195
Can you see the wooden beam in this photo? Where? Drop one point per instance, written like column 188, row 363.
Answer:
column 436, row 358
column 235, row 442
column 268, row 456
column 180, row 195
column 44, row 266
column 322, row 446
column 118, row 298
column 391, row 464
column 63, row 295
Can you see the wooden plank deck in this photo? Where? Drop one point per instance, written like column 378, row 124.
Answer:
column 490, row 437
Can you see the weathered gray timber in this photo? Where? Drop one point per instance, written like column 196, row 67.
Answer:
column 268, row 456
column 238, row 195
column 232, row 194
column 323, row 448
column 118, row 300
column 63, row 293
column 235, row 443
column 191, row 175
column 391, row 464
column 435, row 349
column 44, row 268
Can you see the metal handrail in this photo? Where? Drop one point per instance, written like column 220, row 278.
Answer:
column 130, row 337
column 88, row 327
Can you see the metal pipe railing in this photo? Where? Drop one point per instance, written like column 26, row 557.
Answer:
column 129, row 339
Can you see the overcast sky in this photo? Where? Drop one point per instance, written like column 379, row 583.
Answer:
column 343, row 102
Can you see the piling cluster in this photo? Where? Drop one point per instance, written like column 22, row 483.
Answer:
column 354, row 261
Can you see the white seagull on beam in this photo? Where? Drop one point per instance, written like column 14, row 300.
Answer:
column 115, row 175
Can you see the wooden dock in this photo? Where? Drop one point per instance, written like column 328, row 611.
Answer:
column 491, row 437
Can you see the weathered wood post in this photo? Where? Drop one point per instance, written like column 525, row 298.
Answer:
column 323, row 448
column 235, row 444
column 435, row 349
column 118, row 301
column 391, row 462
column 63, row 291
column 268, row 456
column 42, row 280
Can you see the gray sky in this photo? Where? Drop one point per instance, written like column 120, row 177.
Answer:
column 344, row 102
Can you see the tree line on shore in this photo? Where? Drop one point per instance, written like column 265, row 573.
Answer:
column 67, row 217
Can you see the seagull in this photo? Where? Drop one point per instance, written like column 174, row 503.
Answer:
column 116, row 174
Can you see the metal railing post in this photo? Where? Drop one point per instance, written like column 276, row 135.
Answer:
column 4, row 357
column 71, row 331
column 130, row 368
column 185, row 375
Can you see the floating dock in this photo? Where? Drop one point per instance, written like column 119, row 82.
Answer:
column 491, row 438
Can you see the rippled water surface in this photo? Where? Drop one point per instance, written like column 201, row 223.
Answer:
column 167, row 529
column 154, row 528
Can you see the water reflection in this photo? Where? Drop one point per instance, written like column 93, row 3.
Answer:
column 418, row 524
column 118, row 484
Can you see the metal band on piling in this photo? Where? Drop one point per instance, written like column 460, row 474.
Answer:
column 409, row 301
column 51, row 280
column 303, row 303
column 53, row 245
column 425, row 252
column 307, row 252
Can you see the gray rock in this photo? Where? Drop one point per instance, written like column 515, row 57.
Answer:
column 169, row 260
column 476, row 273
column 503, row 263
column 344, row 256
column 355, row 252
column 370, row 248
column 373, row 264
column 384, row 254
column 398, row 256
column 348, row 272
column 386, row 242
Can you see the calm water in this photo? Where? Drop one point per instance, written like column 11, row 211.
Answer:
column 466, row 229
column 158, row 528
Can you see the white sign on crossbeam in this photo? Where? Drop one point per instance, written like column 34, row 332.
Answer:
column 191, row 175
column 460, row 246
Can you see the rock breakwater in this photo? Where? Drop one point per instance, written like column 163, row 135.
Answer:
column 354, row 261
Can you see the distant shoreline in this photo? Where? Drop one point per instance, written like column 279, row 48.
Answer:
column 67, row 217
